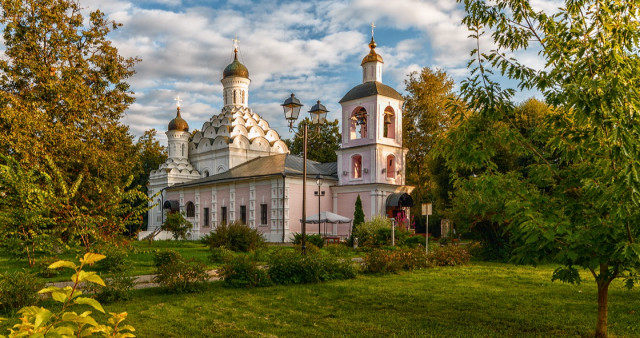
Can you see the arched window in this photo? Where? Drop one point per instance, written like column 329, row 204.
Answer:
column 183, row 150
column 358, row 124
column 243, row 102
column 191, row 209
column 234, row 96
column 205, row 173
column 356, row 166
column 389, row 120
column 391, row 166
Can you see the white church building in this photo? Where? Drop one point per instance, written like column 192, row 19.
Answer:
column 236, row 168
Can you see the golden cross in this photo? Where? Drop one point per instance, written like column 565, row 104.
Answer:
column 235, row 42
column 178, row 100
column 372, row 27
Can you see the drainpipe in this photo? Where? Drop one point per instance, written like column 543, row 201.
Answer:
column 283, row 196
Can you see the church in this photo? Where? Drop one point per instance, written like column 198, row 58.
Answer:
column 236, row 168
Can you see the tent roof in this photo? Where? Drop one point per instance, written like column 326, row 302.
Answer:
column 327, row 217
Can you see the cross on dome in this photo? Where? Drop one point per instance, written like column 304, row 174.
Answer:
column 236, row 43
column 372, row 27
column 178, row 101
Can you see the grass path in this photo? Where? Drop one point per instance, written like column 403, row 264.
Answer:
column 481, row 300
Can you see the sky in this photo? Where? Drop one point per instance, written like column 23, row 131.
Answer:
column 310, row 48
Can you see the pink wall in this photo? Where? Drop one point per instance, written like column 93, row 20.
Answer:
column 263, row 190
column 366, row 164
column 295, row 204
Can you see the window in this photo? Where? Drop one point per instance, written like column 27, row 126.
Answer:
column 356, row 166
column 234, row 96
column 205, row 222
column 389, row 127
column 223, row 215
column 243, row 214
column 358, row 124
column 391, row 166
column 243, row 102
column 183, row 150
column 263, row 214
column 191, row 209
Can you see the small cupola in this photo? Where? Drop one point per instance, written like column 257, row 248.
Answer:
column 178, row 123
column 372, row 63
column 235, row 68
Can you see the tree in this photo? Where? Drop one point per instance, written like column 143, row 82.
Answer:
column 358, row 215
column 63, row 92
column 577, row 200
column 177, row 225
column 427, row 117
column 150, row 155
column 322, row 146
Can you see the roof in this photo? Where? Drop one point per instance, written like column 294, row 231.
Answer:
column 281, row 164
column 327, row 217
column 178, row 123
column 235, row 68
column 369, row 89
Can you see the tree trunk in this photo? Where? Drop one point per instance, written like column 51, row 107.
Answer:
column 603, row 294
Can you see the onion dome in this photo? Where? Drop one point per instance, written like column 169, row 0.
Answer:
column 372, row 56
column 178, row 123
column 235, row 68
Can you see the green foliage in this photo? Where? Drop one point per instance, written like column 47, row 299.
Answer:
column 39, row 321
column 177, row 225
column 43, row 267
column 577, row 198
column 18, row 289
column 220, row 254
column 321, row 147
column 114, row 269
column 427, row 116
column 179, row 275
column 165, row 257
column 242, row 271
column 60, row 69
column 358, row 216
column 235, row 236
column 288, row 267
column 315, row 239
column 382, row 261
column 449, row 255
column 373, row 233
column 413, row 241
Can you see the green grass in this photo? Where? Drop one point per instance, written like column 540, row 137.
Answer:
column 480, row 300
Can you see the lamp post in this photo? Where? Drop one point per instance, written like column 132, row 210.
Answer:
column 318, row 113
column 319, row 183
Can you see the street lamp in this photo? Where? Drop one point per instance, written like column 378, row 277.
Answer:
column 318, row 113
column 319, row 183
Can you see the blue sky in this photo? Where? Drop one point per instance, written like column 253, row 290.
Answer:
column 310, row 48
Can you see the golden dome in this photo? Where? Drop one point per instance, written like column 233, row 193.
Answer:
column 178, row 123
column 235, row 68
column 372, row 56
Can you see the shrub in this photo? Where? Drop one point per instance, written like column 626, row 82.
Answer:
column 315, row 239
column 43, row 267
column 450, row 255
column 242, row 272
column 235, row 236
column 18, row 289
column 383, row 236
column 177, row 225
column 40, row 322
column 339, row 250
column 220, row 254
column 179, row 275
column 393, row 261
column 368, row 233
column 310, row 248
column 414, row 241
column 287, row 267
column 118, row 284
column 164, row 257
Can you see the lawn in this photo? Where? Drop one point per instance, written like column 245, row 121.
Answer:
column 483, row 299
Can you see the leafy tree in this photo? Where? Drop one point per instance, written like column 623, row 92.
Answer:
column 177, row 225
column 322, row 146
column 577, row 200
column 427, row 117
column 150, row 155
column 63, row 92
column 358, row 215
